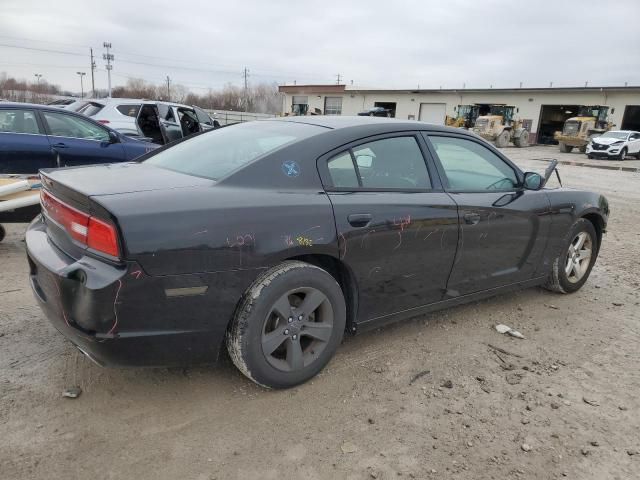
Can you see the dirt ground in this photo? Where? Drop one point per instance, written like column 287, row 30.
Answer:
column 567, row 406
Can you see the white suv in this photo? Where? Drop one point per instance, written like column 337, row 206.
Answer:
column 160, row 122
column 617, row 144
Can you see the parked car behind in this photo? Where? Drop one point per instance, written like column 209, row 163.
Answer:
column 616, row 144
column 224, row 237
column 39, row 136
column 376, row 112
column 161, row 122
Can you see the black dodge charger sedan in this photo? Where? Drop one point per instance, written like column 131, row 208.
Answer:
column 276, row 237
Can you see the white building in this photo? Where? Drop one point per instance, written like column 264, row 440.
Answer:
column 543, row 109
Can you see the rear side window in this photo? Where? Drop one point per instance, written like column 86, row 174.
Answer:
column 471, row 166
column 392, row 163
column 218, row 153
column 90, row 109
column 129, row 110
column 342, row 171
column 18, row 121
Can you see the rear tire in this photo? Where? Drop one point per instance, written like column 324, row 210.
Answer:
column 3, row 233
column 569, row 273
column 564, row 148
column 502, row 140
column 297, row 311
column 590, row 157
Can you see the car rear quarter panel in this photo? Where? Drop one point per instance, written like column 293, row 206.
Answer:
column 218, row 228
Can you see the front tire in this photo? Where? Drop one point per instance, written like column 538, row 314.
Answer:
column 571, row 269
column 623, row 154
column 288, row 325
column 502, row 140
column 564, row 148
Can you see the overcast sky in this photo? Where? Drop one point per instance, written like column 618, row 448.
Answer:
column 375, row 43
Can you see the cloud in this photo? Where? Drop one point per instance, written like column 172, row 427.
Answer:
column 372, row 42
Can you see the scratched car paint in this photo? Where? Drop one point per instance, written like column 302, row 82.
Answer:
column 291, row 233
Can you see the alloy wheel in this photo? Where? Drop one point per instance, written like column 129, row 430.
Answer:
column 297, row 329
column 578, row 257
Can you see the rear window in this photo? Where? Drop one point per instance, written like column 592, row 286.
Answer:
column 217, row 153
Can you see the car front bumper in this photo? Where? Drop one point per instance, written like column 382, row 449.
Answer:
column 611, row 151
column 119, row 316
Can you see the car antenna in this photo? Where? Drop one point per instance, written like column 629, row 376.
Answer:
column 549, row 171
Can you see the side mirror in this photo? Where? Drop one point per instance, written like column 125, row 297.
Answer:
column 364, row 161
column 533, row 181
column 113, row 137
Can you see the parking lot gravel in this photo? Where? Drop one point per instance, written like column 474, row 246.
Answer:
column 440, row 396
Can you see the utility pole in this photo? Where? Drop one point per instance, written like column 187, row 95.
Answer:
column 338, row 78
column 168, row 89
column 93, row 67
column 38, row 76
column 82, row 74
column 109, row 58
column 245, row 74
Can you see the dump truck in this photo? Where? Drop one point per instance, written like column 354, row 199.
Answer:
column 465, row 116
column 578, row 131
column 500, row 127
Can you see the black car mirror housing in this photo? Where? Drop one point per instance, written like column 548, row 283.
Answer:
column 113, row 137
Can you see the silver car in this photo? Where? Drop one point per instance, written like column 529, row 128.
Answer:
column 160, row 122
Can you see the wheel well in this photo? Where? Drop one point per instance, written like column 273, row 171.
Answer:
column 598, row 223
column 343, row 276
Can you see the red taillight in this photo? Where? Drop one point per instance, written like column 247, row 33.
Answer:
column 85, row 229
column 103, row 121
column 102, row 237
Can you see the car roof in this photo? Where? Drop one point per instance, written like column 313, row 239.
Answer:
column 37, row 106
column 335, row 122
column 144, row 101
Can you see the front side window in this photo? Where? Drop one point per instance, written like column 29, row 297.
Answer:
column 333, row 105
column 61, row 125
column 471, row 166
column 18, row 121
column 391, row 164
column 203, row 117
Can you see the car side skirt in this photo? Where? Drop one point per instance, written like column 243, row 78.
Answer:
column 443, row 304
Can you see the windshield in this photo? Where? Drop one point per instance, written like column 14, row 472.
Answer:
column 620, row 135
column 219, row 152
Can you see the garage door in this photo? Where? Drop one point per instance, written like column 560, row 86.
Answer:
column 433, row 113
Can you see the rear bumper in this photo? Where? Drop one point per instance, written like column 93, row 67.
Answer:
column 119, row 316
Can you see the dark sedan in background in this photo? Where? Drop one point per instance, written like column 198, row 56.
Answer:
column 39, row 136
column 278, row 236
column 377, row 112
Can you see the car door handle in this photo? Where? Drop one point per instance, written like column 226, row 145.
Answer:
column 471, row 218
column 359, row 219
column 60, row 145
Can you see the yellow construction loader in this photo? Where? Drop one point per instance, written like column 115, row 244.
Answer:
column 578, row 131
column 465, row 116
column 500, row 127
